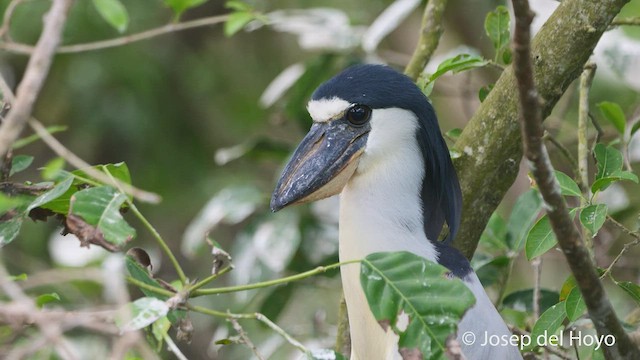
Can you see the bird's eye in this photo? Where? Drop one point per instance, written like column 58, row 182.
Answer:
column 358, row 115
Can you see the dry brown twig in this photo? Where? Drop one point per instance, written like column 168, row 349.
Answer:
column 35, row 74
column 569, row 239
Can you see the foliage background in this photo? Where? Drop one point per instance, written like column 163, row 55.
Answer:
column 168, row 105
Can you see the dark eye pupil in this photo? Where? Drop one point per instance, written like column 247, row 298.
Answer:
column 358, row 114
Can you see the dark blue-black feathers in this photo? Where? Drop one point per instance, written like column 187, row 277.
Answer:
column 379, row 86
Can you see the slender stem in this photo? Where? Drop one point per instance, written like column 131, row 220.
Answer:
column 77, row 162
column 625, row 248
column 163, row 245
column 567, row 154
column 173, row 347
column 143, row 285
column 583, row 146
column 537, row 272
column 245, row 338
column 257, row 316
column 430, row 34
column 626, row 21
column 210, row 278
column 35, row 74
column 128, row 39
column 284, row 280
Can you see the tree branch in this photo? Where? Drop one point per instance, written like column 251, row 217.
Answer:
column 491, row 140
column 569, row 239
column 35, row 74
column 123, row 40
column 430, row 34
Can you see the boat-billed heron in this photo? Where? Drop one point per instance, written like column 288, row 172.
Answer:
column 375, row 140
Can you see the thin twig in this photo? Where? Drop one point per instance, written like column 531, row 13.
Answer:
column 537, row 272
column 625, row 248
column 163, row 244
column 599, row 131
column 262, row 284
column 35, row 74
column 258, row 316
column 626, row 21
column 567, row 155
column 173, row 347
column 78, row 163
column 569, row 239
column 430, row 34
column 583, row 116
column 124, row 40
column 245, row 338
column 6, row 19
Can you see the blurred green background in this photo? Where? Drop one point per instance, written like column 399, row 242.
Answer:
column 166, row 106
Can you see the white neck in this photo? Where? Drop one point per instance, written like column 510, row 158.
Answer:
column 380, row 207
column 380, row 210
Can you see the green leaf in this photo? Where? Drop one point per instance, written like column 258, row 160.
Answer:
column 237, row 5
column 453, row 134
column 608, row 160
column 113, row 12
column 494, row 236
column 549, row 322
column 21, row 277
column 52, row 168
column 592, row 217
column 507, row 56
column 496, row 25
column 524, row 213
column 484, row 92
column 180, row 6
column 160, row 329
column 522, row 300
column 20, row 163
column 574, row 304
column 32, row 138
column 618, row 175
column 457, row 64
column 9, row 229
column 236, row 21
column 635, row 128
column 100, row 207
column 568, row 187
column 144, row 312
column 567, row 286
column 60, row 205
column 494, row 271
column 52, row 194
column 395, row 282
column 630, row 288
column 8, row 203
column 541, row 237
column 43, row 299
column 613, row 112
column 140, row 273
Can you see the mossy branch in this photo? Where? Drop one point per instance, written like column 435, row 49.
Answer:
column 490, row 143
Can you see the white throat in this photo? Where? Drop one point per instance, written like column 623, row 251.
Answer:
column 380, row 210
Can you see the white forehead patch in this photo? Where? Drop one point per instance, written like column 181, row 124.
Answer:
column 326, row 109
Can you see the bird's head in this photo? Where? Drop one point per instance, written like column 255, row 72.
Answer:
column 360, row 116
